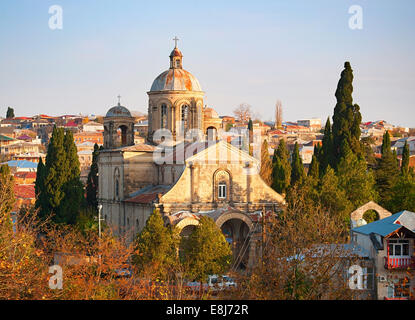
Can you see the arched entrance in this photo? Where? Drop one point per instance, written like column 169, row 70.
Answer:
column 122, row 135
column 236, row 227
column 211, row 133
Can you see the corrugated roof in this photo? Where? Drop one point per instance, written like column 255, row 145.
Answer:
column 21, row 164
column 390, row 224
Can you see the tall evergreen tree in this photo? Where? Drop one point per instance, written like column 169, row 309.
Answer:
column 405, row 159
column 73, row 187
column 387, row 172
column 41, row 201
column 356, row 180
column 92, row 181
column 314, row 168
column 297, row 168
column 333, row 197
column 346, row 118
column 281, row 170
column 56, row 172
column 326, row 155
column 10, row 113
column 266, row 164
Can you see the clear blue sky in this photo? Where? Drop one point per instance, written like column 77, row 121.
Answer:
column 241, row 51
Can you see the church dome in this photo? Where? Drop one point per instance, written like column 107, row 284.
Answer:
column 176, row 79
column 118, row 111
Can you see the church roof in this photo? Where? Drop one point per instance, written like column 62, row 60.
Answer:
column 118, row 111
column 176, row 79
column 148, row 194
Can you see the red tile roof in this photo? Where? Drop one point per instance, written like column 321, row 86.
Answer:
column 24, row 191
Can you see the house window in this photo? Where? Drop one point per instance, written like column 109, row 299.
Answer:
column 398, row 247
column 222, row 191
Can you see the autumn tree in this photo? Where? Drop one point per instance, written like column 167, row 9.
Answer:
column 243, row 112
column 297, row 262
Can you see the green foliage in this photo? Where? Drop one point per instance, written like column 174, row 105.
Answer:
column 403, row 194
column 325, row 154
column 387, row 173
column 298, row 286
column 10, row 113
column 7, row 199
column 346, row 118
column 205, row 251
column 332, row 196
column 405, row 159
column 157, row 248
column 370, row 216
column 314, row 168
column 356, row 180
column 297, row 168
column 266, row 164
column 59, row 189
column 281, row 168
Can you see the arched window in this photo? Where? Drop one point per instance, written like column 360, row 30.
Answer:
column 163, row 116
column 222, row 190
column 185, row 118
column 117, row 188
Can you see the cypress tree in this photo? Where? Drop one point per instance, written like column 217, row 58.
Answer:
column 356, row 180
column 41, row 202
column 281, row 170
column 332, row 196
column 92, row 181
column 297, row 168
column 314, row 168
column 405, row 159
column 346, row 117
column 326, row 156
column 72, row 188
column 387, row 172
column 10, row 113
column 266, row 164
column 56, row 172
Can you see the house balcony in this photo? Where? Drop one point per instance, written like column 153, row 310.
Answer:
column 399, row 263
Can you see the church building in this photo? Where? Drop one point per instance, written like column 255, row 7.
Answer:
column 184, row 169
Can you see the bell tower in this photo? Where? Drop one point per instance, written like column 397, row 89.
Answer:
column 118, row 127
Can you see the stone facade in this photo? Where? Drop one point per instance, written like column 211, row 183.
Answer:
column 186, row 179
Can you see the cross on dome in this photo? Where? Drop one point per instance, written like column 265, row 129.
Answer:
column 175, row 41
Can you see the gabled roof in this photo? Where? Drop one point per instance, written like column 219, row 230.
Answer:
column 386, row 226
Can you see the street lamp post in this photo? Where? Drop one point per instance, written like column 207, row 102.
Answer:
column 99, row 219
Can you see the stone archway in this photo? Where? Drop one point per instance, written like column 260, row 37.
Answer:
column 358, row 213
column 237, row 229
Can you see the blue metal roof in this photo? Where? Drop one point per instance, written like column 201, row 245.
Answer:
column 21, row 164
column 387, row 225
